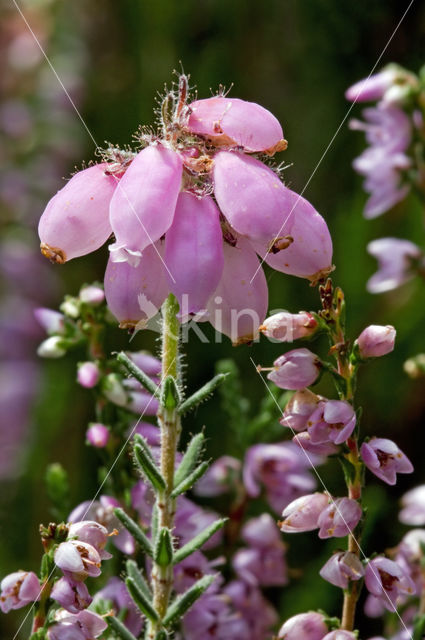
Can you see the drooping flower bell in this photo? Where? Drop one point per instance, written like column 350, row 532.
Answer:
column 189, row 213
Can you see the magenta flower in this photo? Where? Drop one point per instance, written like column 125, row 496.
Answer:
column 341, row 568
column 413, row 507
column 222, row 476
column 116, row 593
column 85, row 625
column 303, row 513
column 387, row 581
column 78, row 560
column 88, row 374
column 308, row 626
column 236, row 123
column 340, row 634
column 72, row 596
column 191, row 519
column 281, row 469
column 376, row 341
column 295, row 369
column 76, row 221
column 332, row 421
column 248, row 601
column 97, row 435
column 145, row 361
column 191, row 569
column 299, row 409
column 385, row 459
column 52, row 321
column 92, row 533
column 213, row 616
column 287, row 327
column 373, row 88
column 339, row 518
column 396, row 263
column 19, row 589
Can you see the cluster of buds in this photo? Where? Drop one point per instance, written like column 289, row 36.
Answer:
column 196, row 188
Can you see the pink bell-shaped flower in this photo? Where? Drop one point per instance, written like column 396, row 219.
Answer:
column 76, row 220
column 235, row 122
column 194, row 252
column 143, row 206
column 135, row 294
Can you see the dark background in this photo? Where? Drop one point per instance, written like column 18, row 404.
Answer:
column 296, row 59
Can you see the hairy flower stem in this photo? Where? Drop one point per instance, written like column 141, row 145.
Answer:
column 333, row 312
column 169, row 422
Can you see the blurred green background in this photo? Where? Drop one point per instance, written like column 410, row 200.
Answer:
column 296, row 58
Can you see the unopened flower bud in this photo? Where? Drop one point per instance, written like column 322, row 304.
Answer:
column 287, row 327
column 92, row 295
column 295, row 369
column 53, row 347
column 308, row 626
column 415, row 367
column 340, row 634
column 51, row 321
column 375, row 341
column 303, row 513
column 88, row 374
column 113, row 389
column 70, row 307
column 97, row 435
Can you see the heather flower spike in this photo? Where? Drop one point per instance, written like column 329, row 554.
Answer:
column 76, row 220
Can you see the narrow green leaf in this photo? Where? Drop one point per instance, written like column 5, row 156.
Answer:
column 170, row 395
column 182, row 603
column 137, row 373
column 163, row 552
column 135, row 531
column 198, row 541
column 141, row 601
column 143, row 443
column 202, row 394
column 188, row 482
column 116, row 625
column 149, row 468
column 134, row 572
column 190, row 458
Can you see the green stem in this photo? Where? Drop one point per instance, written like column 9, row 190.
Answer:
column 169, row 422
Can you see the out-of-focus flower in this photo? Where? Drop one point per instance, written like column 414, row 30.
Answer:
column 385, row 459
column 116, row 592
column 281, row 469
column 92, row 295
column 19, row 589
column 332, row 421
column 341, row 568
column 398, row 261
column 191, row 519
column 308, row 626
column 287, row 327
column 386, row 580
column 303, row 513
column 413, row 506
column 84, row 625
column 295, row 369
column 213, row 616
column 339, row 518
column 98, row 435
column 410, row 555
column 72, row 596
column 220, row 478
column 191, row 569
column 88, row 374
column 376, row 341
column 374, row 87
column 53, row 347
column 340, row 634
column 248, row 601
column 52, row 321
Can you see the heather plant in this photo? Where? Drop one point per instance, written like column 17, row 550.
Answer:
column 195, row 210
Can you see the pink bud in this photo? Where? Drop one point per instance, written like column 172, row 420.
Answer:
column 372, row 88
column 340, row 634
column 235, row 122
column 19, row 589
column 194, row 252
column 287, row 327
column 88, row 374
column 309, row 254
column 305, row 626
column 135, row 294
column 97, row 435
column 238, row 306
column 339, row 518
column 92, row 533
column 295, row 369
column 76, row 220
column 303, row 513
column 143, row 205
column 376, row 340
column 252, row 198
column 341, row 568
column 92, row 295
column 51, row 321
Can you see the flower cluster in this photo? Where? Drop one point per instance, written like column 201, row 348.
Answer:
column 194, row 189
